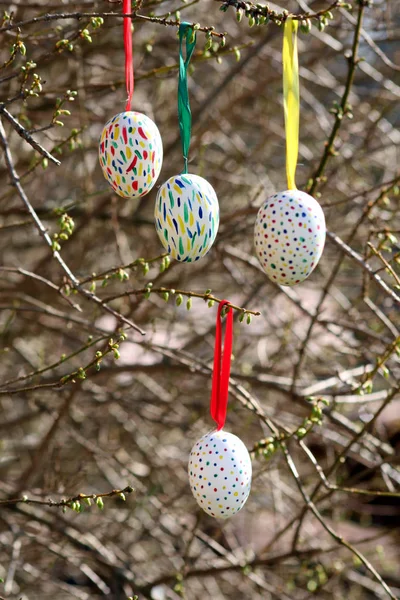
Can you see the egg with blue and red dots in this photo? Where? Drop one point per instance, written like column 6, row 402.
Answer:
column 289, row 236
column 186, row 216
column 131, row 154
column 220, row 473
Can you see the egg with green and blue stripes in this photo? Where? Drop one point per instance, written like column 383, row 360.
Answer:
column 186, row 217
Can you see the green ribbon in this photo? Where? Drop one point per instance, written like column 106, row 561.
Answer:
column 184, row 113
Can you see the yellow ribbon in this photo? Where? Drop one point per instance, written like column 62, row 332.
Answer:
column 291, row 101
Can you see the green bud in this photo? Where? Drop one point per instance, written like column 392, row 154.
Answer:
column 189, row 303
column 248, row 319
column 305, row 26
column 301, row 432
column 100, row 503
column 179, row 299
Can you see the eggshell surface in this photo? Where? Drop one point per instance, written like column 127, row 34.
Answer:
column 131, row 154
column 220, row 473
column 289, row 236
column 186, row 217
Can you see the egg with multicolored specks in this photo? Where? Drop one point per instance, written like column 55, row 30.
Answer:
column 289, row 236
column 131, row 154
column 186, row 216
column 220, row 473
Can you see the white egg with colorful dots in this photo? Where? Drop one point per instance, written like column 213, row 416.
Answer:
column 131, row 154
column 289, row 236
column 186, row 217
column 220, row 473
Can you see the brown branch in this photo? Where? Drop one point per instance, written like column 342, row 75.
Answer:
column 189, row 294
column 258, row 10
column 134, row 15
column 66, row 502
column 342, row 110
column 27, row 136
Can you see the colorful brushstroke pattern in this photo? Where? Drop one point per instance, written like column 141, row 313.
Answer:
column 289, row 236
column 186, row 217
column 220, row 473
column 131, row 154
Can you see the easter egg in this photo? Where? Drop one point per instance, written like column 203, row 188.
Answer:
column 289, row 236
column 220, row 473
column 131, row 154
column 186, row 217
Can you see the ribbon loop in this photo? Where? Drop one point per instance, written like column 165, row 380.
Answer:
column 222, row 367
column 291, row 99
column 187, row 32
column 129, row 78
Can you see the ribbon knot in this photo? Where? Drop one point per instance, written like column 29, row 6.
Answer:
column 129, row 78
column 222, row 367
column 291, row 99
column 186, row 32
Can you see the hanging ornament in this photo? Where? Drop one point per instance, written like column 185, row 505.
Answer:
column 130, row 149
column 219, row 464
column 290, row 229
column 186, row 212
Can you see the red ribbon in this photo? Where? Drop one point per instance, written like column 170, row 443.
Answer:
column 222, row 367
column 127, row 9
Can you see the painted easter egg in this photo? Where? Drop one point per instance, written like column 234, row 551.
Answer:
column 186, row 217
column 220, row 473
column 289, row 236
column 131, row 154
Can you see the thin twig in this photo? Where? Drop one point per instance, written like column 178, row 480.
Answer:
column 27, row 136
column 173, row 291
column 80, row 15
column 66, row 502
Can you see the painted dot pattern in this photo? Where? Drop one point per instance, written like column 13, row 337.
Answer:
column 186, row 217
column 220, row 473
column 131, row 154
column 289, row 236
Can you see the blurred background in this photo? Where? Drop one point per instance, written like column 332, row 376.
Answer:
column 315, row 376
